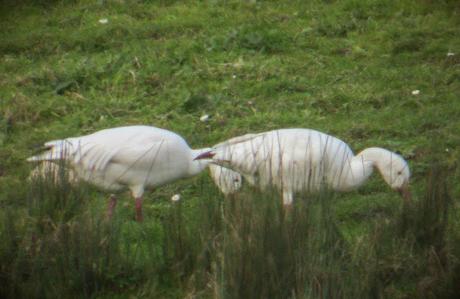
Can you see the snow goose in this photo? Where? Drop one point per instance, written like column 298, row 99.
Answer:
column 133, row 157
column 304, row 161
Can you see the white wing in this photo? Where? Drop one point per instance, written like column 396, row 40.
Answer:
column 239, row 139
column 124, row 145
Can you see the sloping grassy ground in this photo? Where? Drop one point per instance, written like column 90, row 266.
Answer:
column 347, row 68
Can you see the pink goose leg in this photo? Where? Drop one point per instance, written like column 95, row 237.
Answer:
column 139, row 216
column 111, row 206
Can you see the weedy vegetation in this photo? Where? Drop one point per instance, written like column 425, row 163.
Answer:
column 348, row 68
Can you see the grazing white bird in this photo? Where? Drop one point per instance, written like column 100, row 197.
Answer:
column 304, row 161
column 133, row 157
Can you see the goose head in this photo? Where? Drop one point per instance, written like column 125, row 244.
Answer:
column 393, row 168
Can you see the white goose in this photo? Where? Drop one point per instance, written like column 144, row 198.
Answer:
column 305, row 161
column 133, row 157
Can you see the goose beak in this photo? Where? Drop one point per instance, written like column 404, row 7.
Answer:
column 405, row 193
column 205, row 155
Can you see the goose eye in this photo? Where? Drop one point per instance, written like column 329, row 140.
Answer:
column 399, row 172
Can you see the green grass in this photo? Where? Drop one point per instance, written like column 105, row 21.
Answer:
column 245, row 246
column 347, row 68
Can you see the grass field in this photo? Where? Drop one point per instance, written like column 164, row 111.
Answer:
column 348, row 68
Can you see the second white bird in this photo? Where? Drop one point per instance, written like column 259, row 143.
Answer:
column 305, row 160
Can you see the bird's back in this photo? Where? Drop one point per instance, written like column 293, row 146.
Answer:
column 311, row 160
column 292, row 159
column 126, row 156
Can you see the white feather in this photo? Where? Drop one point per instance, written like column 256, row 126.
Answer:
column 304, row 161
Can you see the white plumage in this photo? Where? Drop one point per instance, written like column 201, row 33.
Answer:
column 304, row 161
column 133, row 157
column 227, row 180
column 49, row 171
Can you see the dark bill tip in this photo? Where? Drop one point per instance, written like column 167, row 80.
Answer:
column 405, row 193
column 205, row 155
